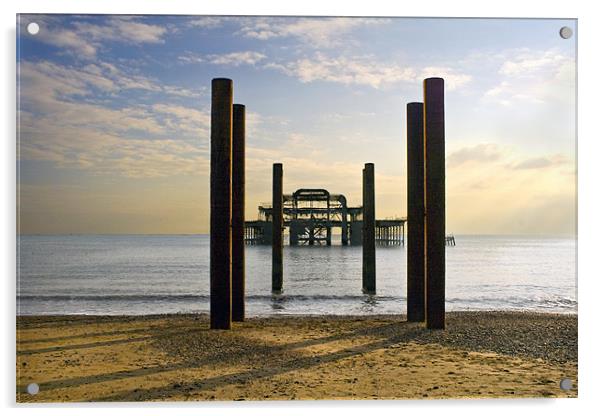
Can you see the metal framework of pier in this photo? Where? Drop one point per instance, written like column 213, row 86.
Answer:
column 310, row 216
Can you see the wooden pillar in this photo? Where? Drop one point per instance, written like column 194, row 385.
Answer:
column 238, row 212
column 369, row 246
column 434, row 200
column 403, row 234
column 415, row 200
column 344, row 227
column 363, row 229
column 277, row 268
column 221, row 204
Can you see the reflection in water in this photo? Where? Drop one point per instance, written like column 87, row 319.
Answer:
column 278, row 302
column 369, row 303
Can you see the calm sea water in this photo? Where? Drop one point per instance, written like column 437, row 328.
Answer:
column 102, row 274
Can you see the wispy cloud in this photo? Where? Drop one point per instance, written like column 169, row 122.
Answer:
column 318, row 32
column 363, row 70
column 132, row 141
column 483, row 152
column 344, row 70
column 532, row 77
column 180, row 118
column 541, row 162
column 69, row 41
column 453, row 78
column 507, row 157
column 84, row 39
column 237, row 58
column 529, row 63
column 92, row 78
column 507, row 93
column 228, row 59
column 207, row 22
column 509, row 191
column 121, row 29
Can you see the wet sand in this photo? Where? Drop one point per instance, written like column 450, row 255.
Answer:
column 176, row 357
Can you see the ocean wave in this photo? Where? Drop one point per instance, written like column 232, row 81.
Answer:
column 514, row 302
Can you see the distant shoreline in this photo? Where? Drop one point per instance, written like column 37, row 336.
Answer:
column 177, row 357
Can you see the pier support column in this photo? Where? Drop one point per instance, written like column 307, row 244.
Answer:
column 415, row 210
column 277, row 268
column 434, row 200
column 344, row 228
column 221, row 204
column 368, row 232
column 238, row 212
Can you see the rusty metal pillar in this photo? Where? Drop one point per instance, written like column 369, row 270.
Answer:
column 434, row 201
column 221, row 204
column 415, row 210
column 277, row 268
column 238, row 212
column 368, row 232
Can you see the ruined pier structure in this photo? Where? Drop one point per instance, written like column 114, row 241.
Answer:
column 311, row 215
column 311, row 225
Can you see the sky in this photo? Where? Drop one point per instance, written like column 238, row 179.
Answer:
column 114, row 116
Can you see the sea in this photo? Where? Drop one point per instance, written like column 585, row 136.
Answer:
column 155, row 274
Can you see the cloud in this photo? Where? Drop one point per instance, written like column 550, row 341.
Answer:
column 180, row 118
column 83, row 39
column 541, row 162
column 107, row 151
column 90, row 80
column 339, row 67
column 122, row 29
column 207, row 22
column 483, row 152
column 363, row 70
column 317, row 32
column 508, row 158
column 70, row 41
column 497, row 190
column 344, row 70
column 236, row 58
column 227, row 59
column 137, row 140
column 532, row 77
column 348, row 70
column 528, row 63
column 453, row 79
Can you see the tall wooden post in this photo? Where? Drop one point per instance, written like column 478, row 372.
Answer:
column 221, row 204
column 434, row 200
column 415, row 201
column 364, row 252
column 238, row 213
column 368, row 232
column 344, row 227
column 277, row 228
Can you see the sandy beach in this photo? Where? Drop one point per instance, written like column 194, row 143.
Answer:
column 176, row 357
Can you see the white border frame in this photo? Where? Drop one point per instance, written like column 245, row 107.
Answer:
column 589, row 229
